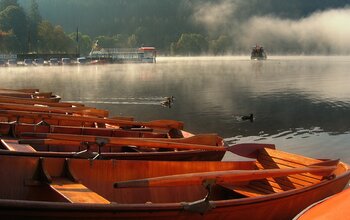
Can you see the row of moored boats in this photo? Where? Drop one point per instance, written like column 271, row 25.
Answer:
column 64, row 160
column 50, row 62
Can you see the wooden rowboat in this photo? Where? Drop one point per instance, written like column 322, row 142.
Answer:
column 13, row 129
column 30, row 90
column 38, row 102
column 277, row 185
column 130, row 145
column 52, row 98
column 334, row 207
column 83, row 121
column 29, row 94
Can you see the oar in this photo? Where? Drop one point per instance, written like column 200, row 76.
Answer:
column 55, row 142
column 221, row 177
column 19, row 128
column 47, row 139
column 33, row 108
column 21, row 90
column 142, row 142
column 163, row 124
column 26, row 95
column 15, row 100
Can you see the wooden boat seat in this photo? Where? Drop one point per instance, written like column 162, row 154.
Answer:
column 274, row 159
column 13, row 145
column 76, row 192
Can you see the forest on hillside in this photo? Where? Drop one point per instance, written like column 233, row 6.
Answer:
column 185, row 27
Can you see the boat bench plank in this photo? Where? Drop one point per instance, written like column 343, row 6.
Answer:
column 292, row 158
column 13, row 145
column 270, row 159
column 274, row 159
column 76, row 192
column 270, row 186
column 299, row 179
column 269, row 164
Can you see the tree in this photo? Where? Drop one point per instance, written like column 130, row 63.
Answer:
column 85, row 42
column 45, row 36
column 35, row 19
column 132, row 41
column 62, row 43
column 53, row 39
column 5, row 3
column 13, row 19
column 190, row 44
column 5, row 39
column 220, row 45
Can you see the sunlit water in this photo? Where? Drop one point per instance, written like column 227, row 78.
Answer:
column 301, row 104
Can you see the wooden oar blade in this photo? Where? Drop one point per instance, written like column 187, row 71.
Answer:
column 249, row 150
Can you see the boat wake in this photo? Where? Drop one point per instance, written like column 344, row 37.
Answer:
column 123, row 100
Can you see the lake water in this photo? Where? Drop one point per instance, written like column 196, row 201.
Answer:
column 301, row 104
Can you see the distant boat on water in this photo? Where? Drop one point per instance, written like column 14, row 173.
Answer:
column 258, row 53
column 123, row 55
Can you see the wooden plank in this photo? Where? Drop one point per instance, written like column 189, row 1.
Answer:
column 270, row 159
column 262, row 184
column 76, row 192
column 290, row 157
column 12, row 145
column 303, row 176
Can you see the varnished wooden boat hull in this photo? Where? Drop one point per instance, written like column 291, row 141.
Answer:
column 335, row 207
column 283, row 207
column 26, row 194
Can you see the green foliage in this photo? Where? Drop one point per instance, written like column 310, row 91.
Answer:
column 21, row 32
column 190, row 44
column 132, row 41
column 221, row 46
column 84, row 42
column 53, row 39
column 34, row 19
column 6, row 3
column 13, row 19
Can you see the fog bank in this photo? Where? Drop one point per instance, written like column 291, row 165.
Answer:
column 323, row 32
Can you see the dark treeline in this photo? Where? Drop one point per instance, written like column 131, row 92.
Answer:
column 187, row 27
column 24, row 31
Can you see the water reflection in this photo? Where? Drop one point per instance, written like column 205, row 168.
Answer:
column 296, row 101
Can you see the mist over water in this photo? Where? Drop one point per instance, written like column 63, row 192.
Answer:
column 301, row 104
column 323, row 32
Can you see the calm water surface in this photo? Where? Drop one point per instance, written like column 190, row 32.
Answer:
column 301, row 104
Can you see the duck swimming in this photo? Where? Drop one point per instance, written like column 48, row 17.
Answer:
column 168, row 101
column 250, row 117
